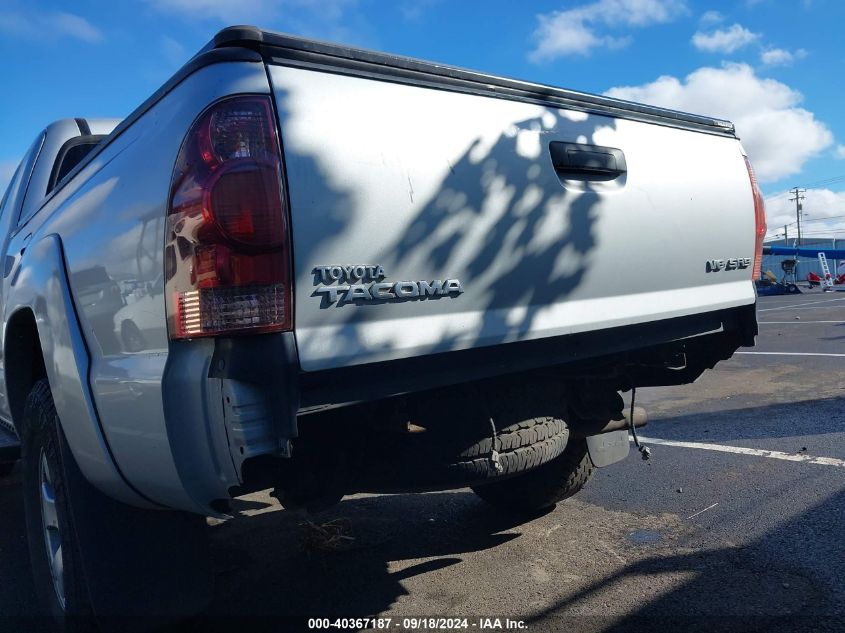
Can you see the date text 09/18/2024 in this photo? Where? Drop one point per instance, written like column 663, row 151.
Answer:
column 420, row 624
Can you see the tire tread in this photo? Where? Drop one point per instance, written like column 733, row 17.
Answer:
column 545, row 486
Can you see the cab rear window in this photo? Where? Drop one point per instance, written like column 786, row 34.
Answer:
column 72, row 153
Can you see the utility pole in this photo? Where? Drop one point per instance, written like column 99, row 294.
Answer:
column 786, row 235
column 798, row 193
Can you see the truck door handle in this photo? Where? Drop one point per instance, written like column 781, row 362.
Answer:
column 577, row 161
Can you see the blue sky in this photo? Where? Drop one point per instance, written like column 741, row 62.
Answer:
column 773, row 67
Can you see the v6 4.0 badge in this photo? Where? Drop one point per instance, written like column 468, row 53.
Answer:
column 735, row 263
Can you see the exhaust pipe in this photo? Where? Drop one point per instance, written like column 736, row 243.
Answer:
column 587, row 428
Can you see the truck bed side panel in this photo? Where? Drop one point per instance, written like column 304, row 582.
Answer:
column 111, row 218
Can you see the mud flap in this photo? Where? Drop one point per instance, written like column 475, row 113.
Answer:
column 608, row 448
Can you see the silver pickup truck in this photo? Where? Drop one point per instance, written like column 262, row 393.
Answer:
column 325, row 270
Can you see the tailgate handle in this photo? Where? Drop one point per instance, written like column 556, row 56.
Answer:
column 577, row 161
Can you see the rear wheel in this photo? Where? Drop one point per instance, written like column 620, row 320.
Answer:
column 92, row 556
column 542, row 487
column 53, row 551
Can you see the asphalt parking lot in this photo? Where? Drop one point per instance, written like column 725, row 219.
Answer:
column 736, row 523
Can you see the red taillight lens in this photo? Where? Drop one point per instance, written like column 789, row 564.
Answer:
column 227, row 253
column 759, row 221
column 246, row 204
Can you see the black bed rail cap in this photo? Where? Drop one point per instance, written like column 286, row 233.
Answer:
column 240, row 35
column 281, row 45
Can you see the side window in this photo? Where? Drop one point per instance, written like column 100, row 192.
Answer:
column 18, row 192
column 14, row 183
column 70, row 155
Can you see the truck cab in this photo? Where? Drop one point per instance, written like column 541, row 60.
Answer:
column 54, row 154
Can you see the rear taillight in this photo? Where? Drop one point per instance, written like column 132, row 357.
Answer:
column 227, row 256
column 759, row 222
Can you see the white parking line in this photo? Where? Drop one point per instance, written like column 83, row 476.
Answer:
column 741, row 450
column 806, row 308
column 791, row 322
column 799, row 305
column 710, row 507
column 790, row 354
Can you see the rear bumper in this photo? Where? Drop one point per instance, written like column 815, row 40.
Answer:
column 255, row 392
column 726, row 330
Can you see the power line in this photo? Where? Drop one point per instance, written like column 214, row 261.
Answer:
column 826, row 181
column 777, row 195
column 832, row 217
column 820, row 233
column 810, row 185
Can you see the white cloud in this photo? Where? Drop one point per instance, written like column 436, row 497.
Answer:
column 413, row 10
column 326, row 9
column 577, row 31
column 711, row 17
column 778, row 135
column 781, row 56
column 48, row 25
column 73, row 25
column 724, row 40
column 839, row 152
column 173, row 51
column 254, row 11
column 222, row 10
column 823, row 214
column 335, row 20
